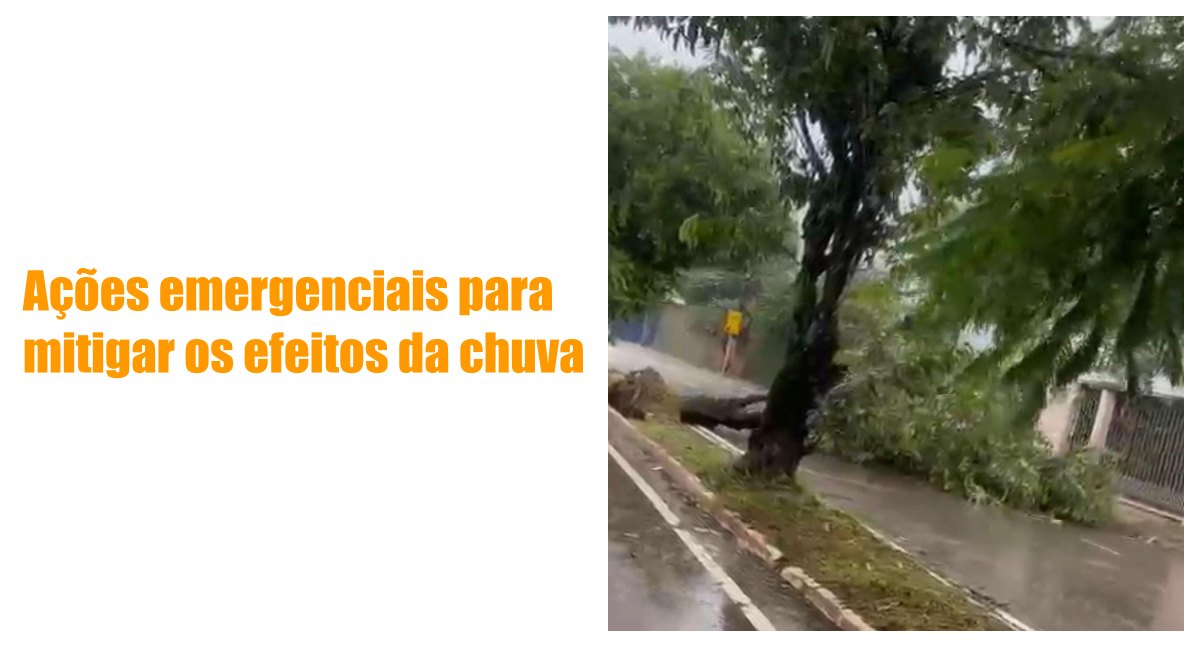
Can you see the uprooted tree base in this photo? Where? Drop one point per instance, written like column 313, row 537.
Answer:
column 641, row 394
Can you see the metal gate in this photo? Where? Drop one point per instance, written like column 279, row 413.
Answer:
column 1147, row 437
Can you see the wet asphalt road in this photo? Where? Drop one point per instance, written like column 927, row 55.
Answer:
column 656, row 583
column 1049, row 576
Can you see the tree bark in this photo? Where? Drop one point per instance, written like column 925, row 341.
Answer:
column 837, row 231
column 731, row 412
column 782, row 438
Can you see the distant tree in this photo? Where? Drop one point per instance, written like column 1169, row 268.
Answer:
column 1067, row 240
column 686, row 185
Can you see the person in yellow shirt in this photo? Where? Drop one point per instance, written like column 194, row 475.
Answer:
column 736, row 330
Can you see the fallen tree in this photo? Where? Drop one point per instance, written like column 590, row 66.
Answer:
column 739, row 413
column 644, row 394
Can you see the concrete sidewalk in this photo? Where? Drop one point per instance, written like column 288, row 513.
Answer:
column 1050, row 576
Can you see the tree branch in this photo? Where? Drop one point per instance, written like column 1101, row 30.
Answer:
column 810, row 148
column 1065, row 54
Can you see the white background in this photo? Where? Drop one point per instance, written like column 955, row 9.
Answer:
column 293, row 139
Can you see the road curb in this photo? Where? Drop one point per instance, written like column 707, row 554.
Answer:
column 821, row 598
column 1149, row 509
column 1005, row 618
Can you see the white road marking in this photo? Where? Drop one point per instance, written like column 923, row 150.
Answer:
column 1012, row 620
column 1151, row 509
column 1104, row 548
column 716, row 439
column 735, row 593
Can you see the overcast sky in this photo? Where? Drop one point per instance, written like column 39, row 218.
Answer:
column 630, row 41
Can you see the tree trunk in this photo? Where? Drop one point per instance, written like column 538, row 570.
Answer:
column 782, row 438
column 836, row 231
column 737, row 413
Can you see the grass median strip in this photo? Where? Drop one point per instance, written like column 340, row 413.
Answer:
column 886, row 588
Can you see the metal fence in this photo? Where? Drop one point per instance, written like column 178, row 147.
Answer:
column 1147, row 437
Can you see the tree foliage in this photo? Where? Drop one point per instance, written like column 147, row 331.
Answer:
column 1066, row 239
column 908, row 403
column 882, row 125
column 685, row 185
column 848, row 104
